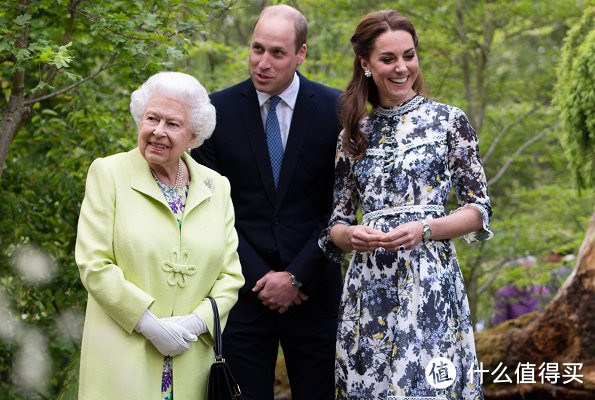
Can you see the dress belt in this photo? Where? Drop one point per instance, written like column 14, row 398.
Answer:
column 374, row 215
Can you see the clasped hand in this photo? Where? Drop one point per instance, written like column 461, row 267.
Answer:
column 365, row 238
column 276, row 292
column 172, row 335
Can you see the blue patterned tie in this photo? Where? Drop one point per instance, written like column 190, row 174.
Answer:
column 274, row 142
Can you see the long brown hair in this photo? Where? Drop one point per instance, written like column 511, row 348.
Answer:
column 361, row 89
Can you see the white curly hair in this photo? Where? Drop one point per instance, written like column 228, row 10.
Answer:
column 185, row 89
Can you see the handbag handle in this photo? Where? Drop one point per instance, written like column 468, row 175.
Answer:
column 217, row 331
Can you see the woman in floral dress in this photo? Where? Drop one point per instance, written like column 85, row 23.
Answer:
column 404, row 303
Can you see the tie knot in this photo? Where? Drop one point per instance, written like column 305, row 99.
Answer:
column 274, row 101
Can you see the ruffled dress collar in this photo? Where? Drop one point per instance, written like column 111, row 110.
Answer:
column 401, row 109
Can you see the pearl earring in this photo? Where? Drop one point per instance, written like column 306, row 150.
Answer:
column 367, row 73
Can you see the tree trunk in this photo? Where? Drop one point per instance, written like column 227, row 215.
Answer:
column 15, row 112
column 13, row 116
column 564, row 333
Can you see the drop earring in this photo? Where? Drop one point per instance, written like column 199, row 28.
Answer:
column 367, row 73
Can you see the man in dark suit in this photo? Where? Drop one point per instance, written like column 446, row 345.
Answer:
column 281, row 168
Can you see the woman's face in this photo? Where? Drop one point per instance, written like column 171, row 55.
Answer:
column 164, row 134
column 394, row 66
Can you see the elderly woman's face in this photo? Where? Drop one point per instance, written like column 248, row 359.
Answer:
column 163, row 134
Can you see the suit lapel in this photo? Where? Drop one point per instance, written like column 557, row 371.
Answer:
column 256, row 137
column 300, row 122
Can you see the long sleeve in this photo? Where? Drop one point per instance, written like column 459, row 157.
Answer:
column 94, row 252
column 468, row 176
column 345, row 201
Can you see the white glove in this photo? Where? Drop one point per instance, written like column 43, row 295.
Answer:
column 195, row 324
column 169, row 338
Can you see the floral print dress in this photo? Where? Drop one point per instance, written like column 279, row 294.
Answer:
column 401, row 310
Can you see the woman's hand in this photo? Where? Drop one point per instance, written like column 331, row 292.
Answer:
column 407, row 235
column 364, row 238
column 169, row 338
column 195, row 324
column 356, row 237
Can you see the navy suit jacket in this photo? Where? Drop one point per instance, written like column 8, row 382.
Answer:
column 279, row 229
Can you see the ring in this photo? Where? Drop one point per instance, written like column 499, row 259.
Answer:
column 401, row 248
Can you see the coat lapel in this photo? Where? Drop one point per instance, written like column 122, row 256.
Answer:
column 256, row 137
column 142, row 181
column 201, row 188
column 300, row 122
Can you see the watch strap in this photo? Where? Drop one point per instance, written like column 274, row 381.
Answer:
column 294, row 281
column 427, row 232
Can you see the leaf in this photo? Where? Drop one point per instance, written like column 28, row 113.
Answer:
column 174, row 52
column 40, row 86
column 63, row 56
column 151, row 21
column 22, row 19
column 22, row 54
column 45, row 55
column 49, row 111
column 72, row 77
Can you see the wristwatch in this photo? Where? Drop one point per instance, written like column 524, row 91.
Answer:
column 294, row 281
column 427, row 232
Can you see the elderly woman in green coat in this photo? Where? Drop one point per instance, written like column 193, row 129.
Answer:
column 156, row 237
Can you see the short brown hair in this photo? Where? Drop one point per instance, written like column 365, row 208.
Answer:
column 299, row 21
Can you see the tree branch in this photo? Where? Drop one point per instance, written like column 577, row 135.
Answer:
column 223, row 11
column 504, row 131
column 518, row 152
column 495, row 272
column 465, row 62
column 483, row 60
column 94, row 19
column 105, row 66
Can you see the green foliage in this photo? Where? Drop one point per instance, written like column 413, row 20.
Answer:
column 538, row 222
column 43, row 185
column 41, row 191
column 80, row 40
column 575, row 97
column 60, row 57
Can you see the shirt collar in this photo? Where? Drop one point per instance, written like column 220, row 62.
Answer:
column 289, row 95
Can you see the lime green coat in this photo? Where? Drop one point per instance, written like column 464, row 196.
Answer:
column 132, row 256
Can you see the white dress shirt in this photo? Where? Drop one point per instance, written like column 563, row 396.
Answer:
column 284, row 107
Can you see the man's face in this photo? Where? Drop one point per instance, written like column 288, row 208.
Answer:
column 273, row 59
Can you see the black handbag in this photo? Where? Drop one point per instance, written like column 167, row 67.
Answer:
column 222, row 385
